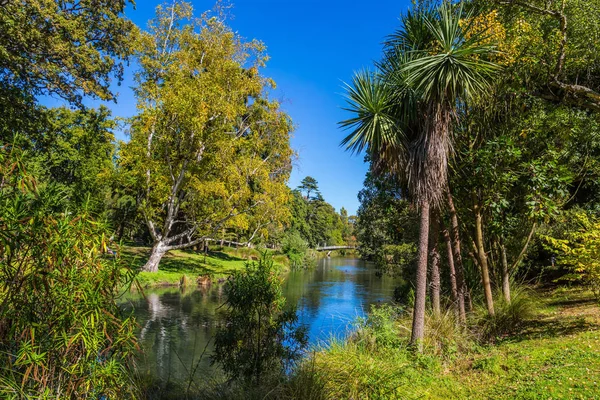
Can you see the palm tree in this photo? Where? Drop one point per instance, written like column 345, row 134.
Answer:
column 449, row 74
column 404, row 113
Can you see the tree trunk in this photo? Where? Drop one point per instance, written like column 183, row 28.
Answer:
column 418, row 326
column 482, row 257
column 452, row 270
column 434, row 253
column 505, row 275
column 158, row 251
column 456, row 252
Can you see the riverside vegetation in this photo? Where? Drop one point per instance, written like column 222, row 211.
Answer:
column 481, row 129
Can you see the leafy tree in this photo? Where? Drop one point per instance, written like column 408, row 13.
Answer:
column 579, row 250
column 295, row 248
column 386, row 226
column 74, row 150
column 525, row 155
column 347, row 227
column 309, row 185
column 63, row 48
column 258, row 335
column 317, row 221
column 208, row 149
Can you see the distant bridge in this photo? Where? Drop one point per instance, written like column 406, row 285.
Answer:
column 331, row 248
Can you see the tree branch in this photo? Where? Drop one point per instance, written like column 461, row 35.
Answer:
column 584, row 96
column 524, row 249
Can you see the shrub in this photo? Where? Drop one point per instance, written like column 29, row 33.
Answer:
column 295, row 247
column 257, row 335
column 380, row 328
column 396, row 259
column 579, row 249
column 61, row 334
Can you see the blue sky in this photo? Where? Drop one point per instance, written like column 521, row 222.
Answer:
column 314, row 47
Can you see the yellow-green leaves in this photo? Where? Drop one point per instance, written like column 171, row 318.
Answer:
column 208, row 149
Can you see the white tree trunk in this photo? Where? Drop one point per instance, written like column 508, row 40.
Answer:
column 158, row 251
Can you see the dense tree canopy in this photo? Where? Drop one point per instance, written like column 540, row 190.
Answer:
column 208, row 149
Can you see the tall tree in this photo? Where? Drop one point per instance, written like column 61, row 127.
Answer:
column 207, row 147
column 74, row 150
column 431, row 65
column 455, row 69
column 309, row 185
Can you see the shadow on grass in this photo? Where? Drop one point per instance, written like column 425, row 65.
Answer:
column 224, row 256
column 551, row 328
column 568, row 320
column 573, row 302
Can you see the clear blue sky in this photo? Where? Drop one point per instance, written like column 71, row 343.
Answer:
column 314, row 47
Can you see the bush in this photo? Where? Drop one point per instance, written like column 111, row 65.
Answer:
column 61, row 333
column 579, row 249
column 295, row 248
column 397, row 260
column 380, row 328
column 258, row 335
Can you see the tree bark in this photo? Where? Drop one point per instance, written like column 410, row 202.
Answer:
column 418, row 326
column 158, row 251
column 505, row 274
column 434, row 254
column 458, row 262
column 482, row 257
column 452, row 271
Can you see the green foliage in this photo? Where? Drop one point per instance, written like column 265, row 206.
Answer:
column 316, row 221
column 386, row 227
column 310, row 185
column 397, row 259
column 74, row 150
column 64, row 48
column 379, row 328
column 552, row 355
column 259, row 336
column 579, row 250
column 61, row 332
column 387, row 328
column 295, row 248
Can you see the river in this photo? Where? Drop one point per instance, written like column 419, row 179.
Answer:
column 177, row 325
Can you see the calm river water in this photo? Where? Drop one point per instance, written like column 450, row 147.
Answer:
column 176, row 326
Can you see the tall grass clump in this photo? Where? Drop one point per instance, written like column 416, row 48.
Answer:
column 61, row 332
column 509, row 316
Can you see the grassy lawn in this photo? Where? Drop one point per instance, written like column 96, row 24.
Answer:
column 177, row 264
column 556, row 355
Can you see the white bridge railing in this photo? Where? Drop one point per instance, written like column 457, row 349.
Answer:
column 330, row 248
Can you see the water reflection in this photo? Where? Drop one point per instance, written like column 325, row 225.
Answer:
column 176, row 327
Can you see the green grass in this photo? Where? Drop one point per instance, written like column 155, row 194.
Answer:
column 554, row 355
column 177, row 264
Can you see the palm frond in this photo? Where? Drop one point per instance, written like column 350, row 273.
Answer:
column 458, row 68
column 374, row 124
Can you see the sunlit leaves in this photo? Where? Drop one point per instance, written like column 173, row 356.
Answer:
column 209, row 149
column 62, row 333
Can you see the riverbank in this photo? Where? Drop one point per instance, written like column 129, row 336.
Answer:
column 187, row 268
column 554, row 353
